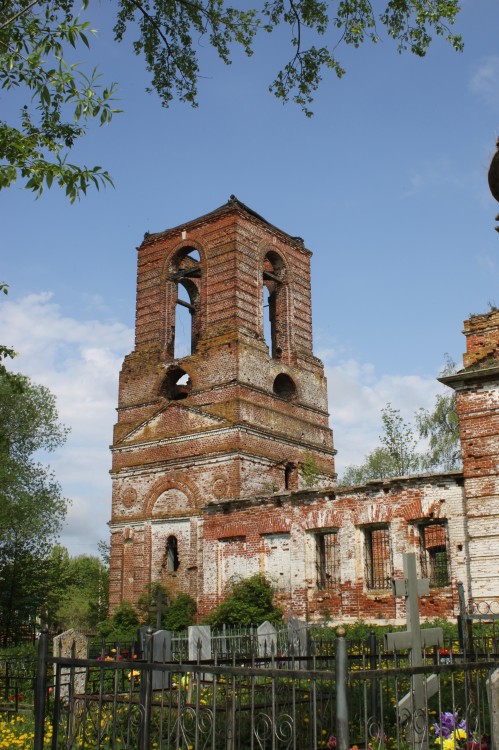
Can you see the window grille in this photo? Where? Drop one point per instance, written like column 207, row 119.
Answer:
column 377, row 558
column 327, row 560
column 434, row 558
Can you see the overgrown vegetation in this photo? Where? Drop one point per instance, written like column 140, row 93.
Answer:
column 310, row 471
column 32, row 507
column 248, row 602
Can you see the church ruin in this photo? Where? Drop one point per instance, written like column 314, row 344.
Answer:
column 223, row 460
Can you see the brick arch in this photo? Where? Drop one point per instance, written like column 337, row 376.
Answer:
column 325, row 518
column 163, row 485
column 373, row 513
column 169, row 292
column 275, row 525
column 418, row 508
column 166, row 269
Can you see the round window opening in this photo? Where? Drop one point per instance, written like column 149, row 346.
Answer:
column 284, row 387
column 176, row 385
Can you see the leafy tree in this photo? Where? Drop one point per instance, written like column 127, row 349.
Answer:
column 180, row 614
column 377, row 465
column 441, row 428
column 82, row 603
column 398, row 454
column 6, row 352
column 32, row 508
column 62, row 98
column 399, row 442
column 122, row 626
column 249, row 602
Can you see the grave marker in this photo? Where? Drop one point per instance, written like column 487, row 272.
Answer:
column 199, row 642
column 267, row 639
column 161, row 653
column 71, row 644
column 412, row 708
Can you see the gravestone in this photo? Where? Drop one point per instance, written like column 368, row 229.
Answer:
column 161, row 653
column 412, row 708
column 71, row 644
column 297, row 636
column 267, row 639
column 199, row 642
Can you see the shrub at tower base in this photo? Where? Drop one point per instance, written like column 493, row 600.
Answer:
column 249, row 602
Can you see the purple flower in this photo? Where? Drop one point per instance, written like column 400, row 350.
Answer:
column 447, row 724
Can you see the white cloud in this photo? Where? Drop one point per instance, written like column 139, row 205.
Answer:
column 484, row 81
column 79, row 361
column 356, row 396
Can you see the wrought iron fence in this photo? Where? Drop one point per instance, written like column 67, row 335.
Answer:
column 279, row 702
column 17, row 676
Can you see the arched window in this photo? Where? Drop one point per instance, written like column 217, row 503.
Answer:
column 274, row 318
column 185, row 276
column 171, row 556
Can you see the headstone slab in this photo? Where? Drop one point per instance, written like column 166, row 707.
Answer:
column 298, row 636
column 267, row 639
column 161, row 653
column 199, row 642
column 69, row 644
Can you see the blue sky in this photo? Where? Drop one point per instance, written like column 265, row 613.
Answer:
column 387, row 184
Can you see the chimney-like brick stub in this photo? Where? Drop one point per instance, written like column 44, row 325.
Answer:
column 482, row 338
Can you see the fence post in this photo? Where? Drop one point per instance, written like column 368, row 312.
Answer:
column 373, row 643
column 342, row 732
column 41, row 690
column 146, row 694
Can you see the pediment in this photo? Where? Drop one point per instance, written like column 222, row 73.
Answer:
column 174, row 420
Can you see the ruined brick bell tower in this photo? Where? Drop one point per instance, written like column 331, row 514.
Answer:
column 235, row 416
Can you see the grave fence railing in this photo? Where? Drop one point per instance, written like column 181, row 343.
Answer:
column 295, row 702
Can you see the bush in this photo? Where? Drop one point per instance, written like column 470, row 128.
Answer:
column 180, row 613
column 249, row 602
column 122, row 626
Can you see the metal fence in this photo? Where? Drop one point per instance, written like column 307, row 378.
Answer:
column 17, row 676
column 316, row 702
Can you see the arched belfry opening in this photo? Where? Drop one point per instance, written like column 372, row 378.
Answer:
column 185, row 279
column 274, row 304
